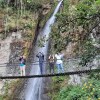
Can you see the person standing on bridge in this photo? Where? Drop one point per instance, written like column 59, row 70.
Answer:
column 41, row 61
column 51, row 59
column 59, row 62
column 22, row 60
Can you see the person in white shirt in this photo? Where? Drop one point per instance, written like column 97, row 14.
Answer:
column 59, row 62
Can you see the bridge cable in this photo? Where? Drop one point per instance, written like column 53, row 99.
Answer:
column 51, row 75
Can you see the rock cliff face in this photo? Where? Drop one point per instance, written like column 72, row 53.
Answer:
column 10, row 49
column 19, row 40
column 4, row 54
column 6, row 51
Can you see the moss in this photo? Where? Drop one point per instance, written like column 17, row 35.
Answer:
column 12, row 89
column 26, row 22
column 29, row 24
column 1, row 97
column 56, row 84
column 47, row 16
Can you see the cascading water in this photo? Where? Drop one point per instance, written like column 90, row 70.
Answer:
column 33, row 89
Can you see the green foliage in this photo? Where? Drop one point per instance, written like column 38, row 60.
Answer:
column 97, row 2
column 28, row 1
column 56, row 85
column 62, row 18
column 85, row 14
column 1, row 97
column 88, row 91
column 88, row 54
column 28, row 26
column 3, row 3
column 33, row 6
column 71, row 93
column 87, row 11
column 66, row 4
column 62, row 21
column 95, row 76
column 59, row 42
column 42, row 41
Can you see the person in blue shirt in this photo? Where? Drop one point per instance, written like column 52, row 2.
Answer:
column 40, row 55
column 22, row 65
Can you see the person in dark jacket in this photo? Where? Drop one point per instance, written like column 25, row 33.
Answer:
column 22, row 65
column 41, row 60
column 51, row 63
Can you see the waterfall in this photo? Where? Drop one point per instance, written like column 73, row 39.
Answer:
column 33, row 89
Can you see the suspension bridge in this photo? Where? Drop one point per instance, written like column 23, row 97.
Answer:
column 77, row 71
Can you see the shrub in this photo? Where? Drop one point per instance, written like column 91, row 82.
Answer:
column 89, row 91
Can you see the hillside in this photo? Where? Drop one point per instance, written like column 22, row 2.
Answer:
column 76, row 33
column 20, row 23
